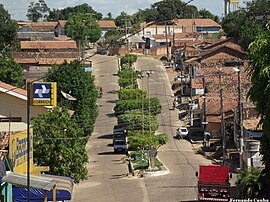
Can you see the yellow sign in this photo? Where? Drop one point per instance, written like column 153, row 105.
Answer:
column 18, row 151
column 43, row 94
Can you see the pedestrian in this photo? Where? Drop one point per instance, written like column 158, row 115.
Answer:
column 174, row 105
column 100, row 92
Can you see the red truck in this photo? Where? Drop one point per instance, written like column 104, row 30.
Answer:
column 213, row 183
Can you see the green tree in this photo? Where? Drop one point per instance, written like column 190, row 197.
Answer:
column 37, row 10
column 145, row 141
column 207, row 14
column 249, row 183
column 64, row 14
column 10, row 71
column 83, row 29
column 172, row 9
column 71, row 78
column 259, row 93
column 58, row 143
column 112, row 37
column 8, row 30
column 135, row 120
column 123, row 106
column 131, row 94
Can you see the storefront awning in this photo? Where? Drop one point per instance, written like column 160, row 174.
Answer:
column 38, row 184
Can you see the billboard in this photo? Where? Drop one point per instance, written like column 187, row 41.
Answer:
column 18, row 151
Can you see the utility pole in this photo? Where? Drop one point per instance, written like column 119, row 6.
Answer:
column 223, row 135
column 204, row 107
column 167, row 45
column 191, row 101
column 126, row 32
column 240, row 115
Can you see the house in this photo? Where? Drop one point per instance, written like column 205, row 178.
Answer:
column 206, row 26
column 13, row 101
column 106, row 25
column 36, row 26
column 201, row 25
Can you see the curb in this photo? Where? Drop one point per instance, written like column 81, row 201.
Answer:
column 157, row 173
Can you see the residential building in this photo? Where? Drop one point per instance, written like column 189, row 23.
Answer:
column 13, row 101
column 106, row 25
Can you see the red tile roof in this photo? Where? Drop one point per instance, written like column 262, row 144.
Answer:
column 106, row 24
column 48, row 45
column 62, row 23
column 4, row 87
column 39, row 26
column 199, row 22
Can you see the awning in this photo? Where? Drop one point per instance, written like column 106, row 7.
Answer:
column 64, row 187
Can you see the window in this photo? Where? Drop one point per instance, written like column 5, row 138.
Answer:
column 148, row 33
column 11, row 119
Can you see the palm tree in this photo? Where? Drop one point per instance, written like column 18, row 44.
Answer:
column 249, row 183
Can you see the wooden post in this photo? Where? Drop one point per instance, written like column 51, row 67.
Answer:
column 54, row 193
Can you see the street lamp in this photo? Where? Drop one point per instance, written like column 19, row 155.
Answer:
column 148, row 73
column 238, row 70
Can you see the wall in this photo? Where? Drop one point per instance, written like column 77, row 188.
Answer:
column 16, row 107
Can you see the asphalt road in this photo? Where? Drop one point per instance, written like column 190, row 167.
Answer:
column 108, row 181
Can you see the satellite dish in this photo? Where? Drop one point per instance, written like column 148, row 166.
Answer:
column 68, row 96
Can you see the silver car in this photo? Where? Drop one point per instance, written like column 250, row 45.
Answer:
column 181, row 132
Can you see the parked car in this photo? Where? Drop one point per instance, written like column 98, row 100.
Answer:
column 181, row 132
column 119, row 136
column 119, row 128
column 120, row 146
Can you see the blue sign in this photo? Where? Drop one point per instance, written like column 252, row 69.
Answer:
column 44, row 94
column 41, row 90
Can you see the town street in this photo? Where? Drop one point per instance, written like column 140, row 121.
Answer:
column 108, row 179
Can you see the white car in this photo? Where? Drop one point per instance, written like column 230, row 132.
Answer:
column 181, row 132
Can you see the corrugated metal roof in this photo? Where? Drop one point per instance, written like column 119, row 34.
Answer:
column 37, row 182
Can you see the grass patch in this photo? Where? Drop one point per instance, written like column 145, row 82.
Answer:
column 140, row 162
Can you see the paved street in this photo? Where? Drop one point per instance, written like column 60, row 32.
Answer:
column 107, row 172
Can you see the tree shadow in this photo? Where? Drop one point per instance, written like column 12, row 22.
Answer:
column 110, row 115
column 112, row 101
column 106, row 153
column 108, row 136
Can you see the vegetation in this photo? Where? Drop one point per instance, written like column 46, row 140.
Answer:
column 83, row 29
column 136, row 120
column 127, row 78
column 112, row 37
column 128, row 60
column 259, row 93
column 71, row 78
column 249, row 183
column 131, row 94
column 8, row 30
column 58, row 142
column 242, row 24
column 64, row 14
column 123, row 106
column 37, row 11
column 10, row 71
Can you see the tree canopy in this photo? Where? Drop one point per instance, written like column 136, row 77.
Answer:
column 10, row 71
column 8, row 30
column 83, row 28
column 242, row 24
column 37, row 11
column 58, row 143
column 64, row 14
column 72, row 79
column 259, row 93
